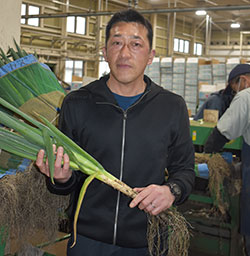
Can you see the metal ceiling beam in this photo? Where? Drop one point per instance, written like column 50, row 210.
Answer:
column 106, row 13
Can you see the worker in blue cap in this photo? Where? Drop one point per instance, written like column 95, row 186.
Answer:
column 221, row 100
column 235, row 122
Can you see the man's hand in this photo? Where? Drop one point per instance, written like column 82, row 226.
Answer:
column 62, row 173
column 153, row 199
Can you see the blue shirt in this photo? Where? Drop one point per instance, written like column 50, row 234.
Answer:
column 125, row 101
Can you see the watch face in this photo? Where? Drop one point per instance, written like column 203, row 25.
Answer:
column 175, row 189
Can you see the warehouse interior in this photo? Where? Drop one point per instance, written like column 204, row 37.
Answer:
column 180, row 36
column 195, row 53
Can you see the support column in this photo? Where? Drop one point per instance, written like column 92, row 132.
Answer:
column 10, row 12
column 154, row 24
column 193, row 38
column 241, row 43
column 64, row 45
column 208, row 34
column 172, row 22
column 98, row 38
column 228, row 37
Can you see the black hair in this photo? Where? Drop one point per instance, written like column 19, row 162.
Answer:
column 130, row 15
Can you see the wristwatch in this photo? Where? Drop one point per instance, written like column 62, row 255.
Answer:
column 175, row 190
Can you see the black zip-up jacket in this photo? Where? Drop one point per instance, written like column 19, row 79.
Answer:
column 136, row 145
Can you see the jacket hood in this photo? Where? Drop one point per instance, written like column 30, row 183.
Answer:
column 102, row 93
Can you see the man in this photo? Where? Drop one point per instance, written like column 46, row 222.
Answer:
column 235, row 122
column 221, row 100
column 136, row 130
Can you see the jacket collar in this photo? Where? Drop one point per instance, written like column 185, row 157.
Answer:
column 101, row 92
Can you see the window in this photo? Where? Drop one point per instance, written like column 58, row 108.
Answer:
column 181, row 45
column 71, row 24
column 73, row 68
column 23, row 12
column 28, row 9
column 186, row 46
column 176, row 44
column 197, row 49
column 76, row 25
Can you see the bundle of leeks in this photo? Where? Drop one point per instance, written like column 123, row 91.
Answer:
column 25, row 140
column 24, row 79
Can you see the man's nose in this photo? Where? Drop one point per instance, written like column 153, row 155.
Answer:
column 125, row 51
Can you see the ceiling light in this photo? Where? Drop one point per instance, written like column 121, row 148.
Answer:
column 235, row 25
column 201, row 13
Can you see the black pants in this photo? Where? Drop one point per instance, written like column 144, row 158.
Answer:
column 89, row 247
column 247, row 244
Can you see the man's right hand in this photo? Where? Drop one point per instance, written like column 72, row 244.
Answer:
column 62, row 172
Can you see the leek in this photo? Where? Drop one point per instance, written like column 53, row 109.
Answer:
column 23, row 79
column 30, row 139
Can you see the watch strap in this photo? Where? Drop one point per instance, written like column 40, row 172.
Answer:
column 175, row 190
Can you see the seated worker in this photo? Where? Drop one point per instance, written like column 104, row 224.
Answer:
column 235, row 122
column 221, row 100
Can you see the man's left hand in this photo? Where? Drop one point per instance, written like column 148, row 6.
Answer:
column 153, row 199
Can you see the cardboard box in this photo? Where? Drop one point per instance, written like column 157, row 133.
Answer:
column 210, row 115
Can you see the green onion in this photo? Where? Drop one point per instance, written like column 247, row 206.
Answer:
column 28, row 82
column 20, row 53
column 50, row 154
column 4, row 57
column 43, row 135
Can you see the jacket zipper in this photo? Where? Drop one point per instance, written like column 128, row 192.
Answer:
column 121, row 176
column 122, row 159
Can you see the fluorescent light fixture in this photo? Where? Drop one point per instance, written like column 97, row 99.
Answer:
column 235, row 25
column 201, row 13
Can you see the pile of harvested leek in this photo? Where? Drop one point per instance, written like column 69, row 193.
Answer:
column 25, row 82
column 30, row 135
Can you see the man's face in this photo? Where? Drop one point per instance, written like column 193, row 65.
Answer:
column 127, row 52
column 243, row 83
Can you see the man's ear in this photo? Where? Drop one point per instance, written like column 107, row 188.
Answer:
column 151, row 57
column 104, row 51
